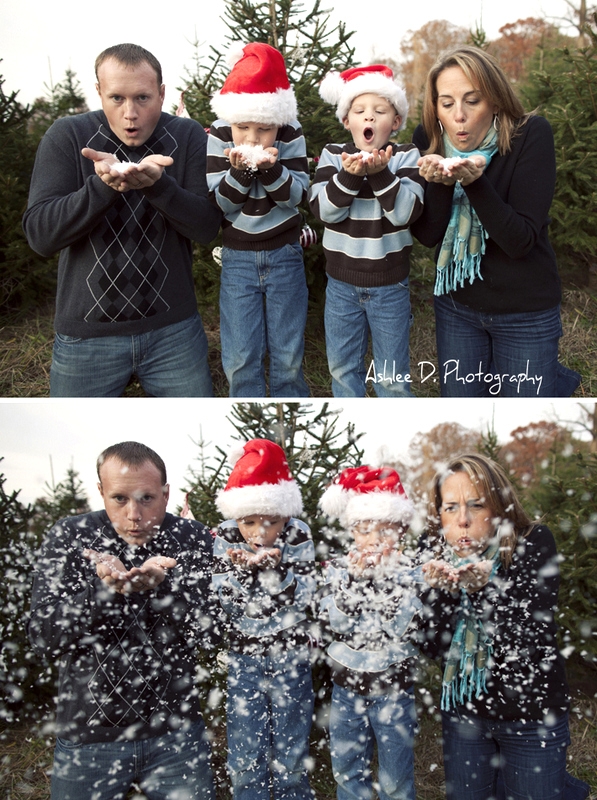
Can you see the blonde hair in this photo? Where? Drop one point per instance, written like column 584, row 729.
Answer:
column 498, row 494
column 486, row 75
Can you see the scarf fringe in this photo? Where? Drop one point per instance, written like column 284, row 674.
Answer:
column 449, row 279
column 470, row 678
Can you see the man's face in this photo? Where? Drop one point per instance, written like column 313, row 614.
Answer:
column 134, row 499
column 131, row 99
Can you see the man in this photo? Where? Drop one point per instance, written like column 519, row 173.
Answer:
column 120, row 598
column 125, row 301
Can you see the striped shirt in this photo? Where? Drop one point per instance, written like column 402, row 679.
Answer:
column 260, row 208
column 367, row 240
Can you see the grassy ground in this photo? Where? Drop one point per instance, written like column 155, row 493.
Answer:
column 26, row 345
column 26, row 756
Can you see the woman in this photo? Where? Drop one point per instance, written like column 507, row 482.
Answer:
column 504, row 693
column 497, row 290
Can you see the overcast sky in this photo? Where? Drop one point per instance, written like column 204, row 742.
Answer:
column 40, row 40
column 36, row 435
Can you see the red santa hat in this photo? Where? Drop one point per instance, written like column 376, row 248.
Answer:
column 260, row 483
column 366, row 493
column 257, row 88
column 340, row 89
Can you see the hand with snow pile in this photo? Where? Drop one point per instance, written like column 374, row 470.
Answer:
column 250, row 157
column 264, row 558
column 448, row 171
column 114, row 574
column 124, row 176
column 470, row 577
column 364, row 163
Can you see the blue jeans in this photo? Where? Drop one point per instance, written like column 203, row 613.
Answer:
column 351, row 312
column 175, row 766
column 263, row 308
column 356, row 721
column 499, row 355
column 269, row 715
column 169, row 362
column 529, row 758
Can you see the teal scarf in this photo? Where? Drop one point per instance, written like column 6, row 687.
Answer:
column 464, row 241
column 471, row 647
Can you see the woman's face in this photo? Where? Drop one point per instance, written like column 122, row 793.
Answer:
column 465, row 517
column 462, row 110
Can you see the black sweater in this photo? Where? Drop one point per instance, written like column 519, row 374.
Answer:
column 527, row 676
column 512, row 200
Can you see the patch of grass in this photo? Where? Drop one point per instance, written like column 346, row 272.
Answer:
column 26, row 755
column 26, row 345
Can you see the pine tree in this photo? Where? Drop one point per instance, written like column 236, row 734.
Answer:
column 65, row 499
column 25, row 277
column 565, row 89
column 315, row 447
column 62, row 99
column 19, row 670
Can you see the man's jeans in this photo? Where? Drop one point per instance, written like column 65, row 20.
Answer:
column 486, row 759
column 263, row 309
column 170, row 767
column 500, row 355
column 350, row 313
column 269, row 712
column 169, row 362
column 356, row 723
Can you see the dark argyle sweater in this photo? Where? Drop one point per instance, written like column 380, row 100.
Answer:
column 260, row 208
column 127, row 662
column 125, row 260
column 512, row 200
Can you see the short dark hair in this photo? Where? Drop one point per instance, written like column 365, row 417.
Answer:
column 132, row 454
column 130, row 55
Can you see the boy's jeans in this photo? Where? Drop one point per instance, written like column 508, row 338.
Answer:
column 269, row 713
column 350, row 313
column 263, row 308
column 175, row 765
column 356, row 722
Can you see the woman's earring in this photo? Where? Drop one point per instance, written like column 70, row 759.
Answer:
column 441, row 127
column 496, row 122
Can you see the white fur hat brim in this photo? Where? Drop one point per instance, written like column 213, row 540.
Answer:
column 268, row 108
column 340, row 93
column 351, row 507
column 280, row 499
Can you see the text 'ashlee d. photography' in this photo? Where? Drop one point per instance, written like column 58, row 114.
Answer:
column 427, row 371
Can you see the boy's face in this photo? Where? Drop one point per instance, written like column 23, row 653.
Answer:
column 253, row 134
column 261, row 530
column 374, row 536
column 371, row 120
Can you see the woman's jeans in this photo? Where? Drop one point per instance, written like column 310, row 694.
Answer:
column 500, row 355
column 358, row 721
column 487, row 759
column 263, row 309
column 351, row 312
column 174, row 766
column 269, row 716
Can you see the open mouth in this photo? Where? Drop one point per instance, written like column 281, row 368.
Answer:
column 368, row 134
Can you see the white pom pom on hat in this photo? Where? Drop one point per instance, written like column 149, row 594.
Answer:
column 340, row 89
column 365, row 493
column 260, row 483
column 257, row 88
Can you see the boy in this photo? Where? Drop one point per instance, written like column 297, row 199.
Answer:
column 264, row 576
column 257, row 173
column 371, row 608
column 367, row 193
